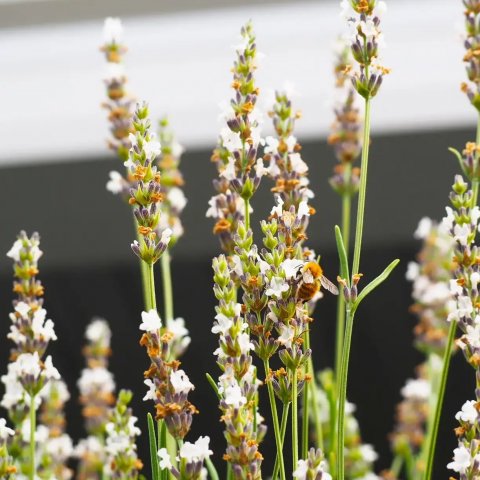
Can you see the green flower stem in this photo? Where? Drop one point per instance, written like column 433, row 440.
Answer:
column 432, row 437
column 143, row 270
column 283, row 430
column 305, row 404
column 317, row 423
column 475, row 186
column 310, row 400
column 276, row 426
column 342, row 396
column 150, row 289
column 165, row 261
column 247, row 213
column 346, row 214
column 342, row 392
column 363, row 190
column 397, row 464
column 294, row 419
column 33, row 427
column 340, row 333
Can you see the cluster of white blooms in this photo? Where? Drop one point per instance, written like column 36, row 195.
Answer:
column 96, row 380
column 417, row 389
column 7, row 467
column 361, row 24
column 98, row 332
column 313, row 467
column 151, row 322
column 31, row 373
column 41, row 331
column 191, row 458
column 15, row 253
column 180, row 340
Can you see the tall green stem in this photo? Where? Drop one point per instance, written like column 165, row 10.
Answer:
column 33, row 427
column 363, row 190
column 310, row 400
column 396, row 465
column 143, row 269
column 342, row 396
column 432, row 438
column 346, row 214
column 294, row 419
column 306, row 404
column 342, row 393
column 247, row 213
column 150, row 289
column 276, row 426
column 283, row 430
column 317, row 422
column 167, row 285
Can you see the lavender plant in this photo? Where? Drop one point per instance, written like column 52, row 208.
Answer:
column 363, row 19
column 462, row 223
column 7, row 467
column 239, row 169
column 431, row 292
column 29, row 371
column 97, row 396
column 121, row 451
column 468, row 162
column 120, row 106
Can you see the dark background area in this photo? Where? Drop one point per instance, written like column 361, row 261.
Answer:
column 88, row 270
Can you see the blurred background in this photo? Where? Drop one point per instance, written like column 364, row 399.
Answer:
column 54, row 165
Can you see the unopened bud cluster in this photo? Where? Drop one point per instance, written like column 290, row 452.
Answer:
column 472, row 54
column 345, row 136
column 122, row 462
column 363, row 17
column 146, row 195
column 119, row 104
column 286, row 167
column 171, row 181
column 236, row 155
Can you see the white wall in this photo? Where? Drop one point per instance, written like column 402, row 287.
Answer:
column 51, row 87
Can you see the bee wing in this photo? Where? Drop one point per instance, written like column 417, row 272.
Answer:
column 328, row 285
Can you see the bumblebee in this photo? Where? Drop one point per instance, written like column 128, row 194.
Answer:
column 311, row 279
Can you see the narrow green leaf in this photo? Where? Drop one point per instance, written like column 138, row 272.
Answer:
column 459, row 158
column 374, row 284
column 342, row 255
column 211, row 469
column 212, row 383
column 153, row 448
